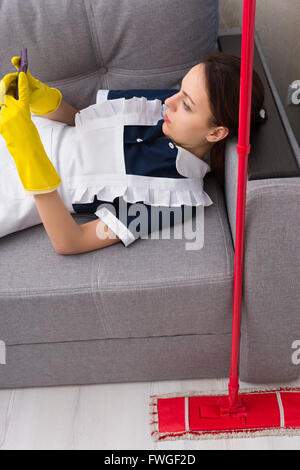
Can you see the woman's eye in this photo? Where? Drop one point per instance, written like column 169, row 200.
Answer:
column 186, row 107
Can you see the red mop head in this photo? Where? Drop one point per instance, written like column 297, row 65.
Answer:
column 196, row 416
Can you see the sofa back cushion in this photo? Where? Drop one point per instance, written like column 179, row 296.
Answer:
column 81, row 46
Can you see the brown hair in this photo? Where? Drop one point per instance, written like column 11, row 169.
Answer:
column 222, row 72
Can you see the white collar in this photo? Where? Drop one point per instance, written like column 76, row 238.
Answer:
column 187, row 164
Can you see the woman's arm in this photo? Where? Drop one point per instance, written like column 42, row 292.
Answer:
column 66, row 236
column 64, row 113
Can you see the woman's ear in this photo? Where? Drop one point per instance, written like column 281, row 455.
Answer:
column 218, row 133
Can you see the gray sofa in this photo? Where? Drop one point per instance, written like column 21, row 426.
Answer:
column 154, row 310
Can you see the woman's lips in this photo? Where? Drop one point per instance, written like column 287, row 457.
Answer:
column 166, row 119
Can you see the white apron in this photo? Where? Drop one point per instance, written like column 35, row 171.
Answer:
column 89, row 159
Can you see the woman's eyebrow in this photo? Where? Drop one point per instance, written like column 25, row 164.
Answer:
column 187, row 95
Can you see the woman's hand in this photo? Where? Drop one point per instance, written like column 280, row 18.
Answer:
column 23, row 141
column 43, row 100
column 8, row 86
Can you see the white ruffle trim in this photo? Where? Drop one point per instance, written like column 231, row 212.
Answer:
column 148, row 112
column 150, row 196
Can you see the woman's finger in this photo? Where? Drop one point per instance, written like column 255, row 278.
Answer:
column 16, row 62
column 8, row 86
column 9, row 80
column 24, row 90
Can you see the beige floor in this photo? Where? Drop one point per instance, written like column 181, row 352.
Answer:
column 110, row 416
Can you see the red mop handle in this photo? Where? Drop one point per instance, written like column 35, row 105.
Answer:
column 243, row 149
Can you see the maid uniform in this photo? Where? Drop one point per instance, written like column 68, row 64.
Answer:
column 116, row 155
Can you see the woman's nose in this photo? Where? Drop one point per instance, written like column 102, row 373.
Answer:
column 171, row 102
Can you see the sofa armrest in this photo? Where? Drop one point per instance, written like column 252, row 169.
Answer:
column 271, row 285
column 271, row 277
column 230, row 183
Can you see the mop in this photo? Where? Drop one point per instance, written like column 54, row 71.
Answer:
column 233, row 414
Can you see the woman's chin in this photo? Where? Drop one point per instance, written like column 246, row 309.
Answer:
column 165, row 129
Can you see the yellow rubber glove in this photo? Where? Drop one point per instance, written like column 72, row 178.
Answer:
column 8, row 85
column 42, row 100
column 23, row 141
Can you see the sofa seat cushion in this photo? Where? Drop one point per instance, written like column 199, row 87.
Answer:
column 155, row 288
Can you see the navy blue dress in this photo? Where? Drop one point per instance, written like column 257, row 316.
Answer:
column 139, row 160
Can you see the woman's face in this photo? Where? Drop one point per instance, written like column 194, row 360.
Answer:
column 188, row 114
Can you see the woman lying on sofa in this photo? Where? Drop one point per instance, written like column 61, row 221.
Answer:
column 153, row 149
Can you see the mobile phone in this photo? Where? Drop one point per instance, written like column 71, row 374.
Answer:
column 23, row 68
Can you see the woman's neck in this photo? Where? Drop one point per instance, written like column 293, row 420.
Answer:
column 200, row 151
